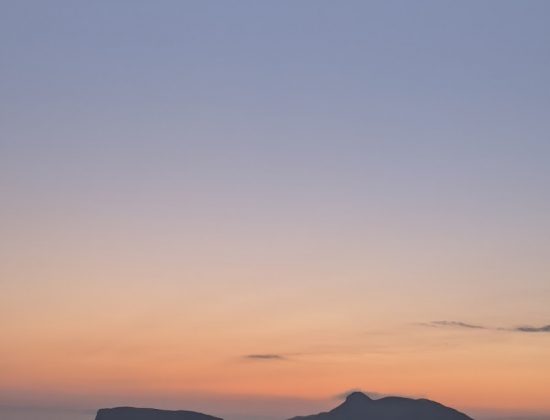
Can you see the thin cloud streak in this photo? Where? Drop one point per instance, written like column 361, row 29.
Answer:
column 531, row 329
column 264, row 357
column 464, row 325
column 458, row 324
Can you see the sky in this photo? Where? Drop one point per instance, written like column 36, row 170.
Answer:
column 249, row 208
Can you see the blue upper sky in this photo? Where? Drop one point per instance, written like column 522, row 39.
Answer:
column 440, row 100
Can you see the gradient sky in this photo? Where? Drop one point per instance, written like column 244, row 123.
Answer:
column 248, row 207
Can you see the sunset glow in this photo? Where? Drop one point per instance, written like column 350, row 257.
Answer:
column 213, row 205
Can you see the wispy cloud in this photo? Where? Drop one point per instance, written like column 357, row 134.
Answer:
column 460, row 324
column 343, row 395
column 266, row 356
column 531, row 329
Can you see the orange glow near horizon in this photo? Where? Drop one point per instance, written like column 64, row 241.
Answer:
column 172, row 349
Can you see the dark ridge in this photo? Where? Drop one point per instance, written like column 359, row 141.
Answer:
column 130, row 413
column 359, row 406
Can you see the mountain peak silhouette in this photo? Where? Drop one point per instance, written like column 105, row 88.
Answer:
column 357, row 398
column 359, row 406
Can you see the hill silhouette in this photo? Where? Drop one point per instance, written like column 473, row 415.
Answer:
column 359, row 406
column 131, row 413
